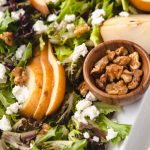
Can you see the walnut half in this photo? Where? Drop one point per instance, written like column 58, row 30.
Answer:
column 83, row 88
column 122, row 60
column 127, row 76
column 102, row 81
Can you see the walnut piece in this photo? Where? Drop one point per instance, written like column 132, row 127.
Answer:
column 83, row 88
column 134, row 63
column 81, row 29
column 118, row 88
column 20, row 75
column 122, row 60
column 7, row 37
column 136, row 79
column 114, row 71
column 121, row 51
column 102, row 81
column 127, row 76
column 100, row 65
column 111, row 55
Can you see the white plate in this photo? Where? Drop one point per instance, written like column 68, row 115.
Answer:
column 137, row 114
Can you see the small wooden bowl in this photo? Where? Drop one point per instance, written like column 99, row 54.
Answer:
column 100, row 51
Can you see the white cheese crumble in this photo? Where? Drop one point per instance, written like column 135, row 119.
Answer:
column 20, row 52
column 124, row 14
column 39, row 27
column 91, row 112
column 3, row 2
column 80, row 117
column 86, row 135
column 5, row 124
column 111, row 134
column 3, row 77
column 17, row 14
column 90, row 97
column 83, row 104
column 98, row 17
column 96, row 139
column 54, row 1
column 70, row 18
column 70, row 27
column 21, row 93
column 51, row 18
column 13, row 108
column 80, row 50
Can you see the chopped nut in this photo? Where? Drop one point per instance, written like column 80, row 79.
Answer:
column 114, row 71
column 127, row 76
column 81, row 29
column 136, row 79
column 134, row 63
column 102, row 81
column 20, row 75
column 122, row 60
column 45, row 128
column 121, row 51
column 111, row 55
column 83, row 88
column 100, row 65
column 7, row 37
column 118, row 88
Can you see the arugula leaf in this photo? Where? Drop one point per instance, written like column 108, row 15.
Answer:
column 95, row 35
column 122, row 129
column 26, row 55
column 6, row 21
column 107, row 108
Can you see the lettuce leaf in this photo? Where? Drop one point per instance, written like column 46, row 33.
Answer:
column 122, row 129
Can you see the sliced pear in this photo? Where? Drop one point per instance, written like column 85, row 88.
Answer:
column 58, row 91
column 41, row 6
column 34, row 84
column 47, row 85
column 134, row 28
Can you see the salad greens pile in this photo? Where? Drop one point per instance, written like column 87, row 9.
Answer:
column 64, row 131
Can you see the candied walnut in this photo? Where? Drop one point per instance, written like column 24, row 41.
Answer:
column 7, row 37
column 121, row 51
column 122, row 60
column 81, row 29
column 134, row 63
column 127, row 76
column 83, row 88
column 114, row 71
column 100, row 65
column 20, row 75
column 111, row 55
column 102, row 81
column 45, row 128
column 118, row 88
column 136, row 79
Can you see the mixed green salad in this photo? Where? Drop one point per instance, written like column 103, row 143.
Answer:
column 73, row 28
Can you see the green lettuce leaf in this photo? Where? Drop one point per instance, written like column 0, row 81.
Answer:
column 73, row 135
column 26, row 55
column 107, row 108
column 122, row 129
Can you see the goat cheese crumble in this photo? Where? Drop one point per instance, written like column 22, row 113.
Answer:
column 70, row 18
column 3, row 77
column 70, row 27
column 21, row 93
column 5, row 124
column 83, row 104
column 39, row 27
column 20, row 52
column 96, row 139
column 80, row 117
column 86, row 135
column 80, row 50
column 3, row 2
column 17, row 14
column 13, row 108
column 90, row 97
column 124, row 14
column 111, row 134
column 51, row 18
column 98, row 16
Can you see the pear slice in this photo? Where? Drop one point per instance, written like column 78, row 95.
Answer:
column 34, row 84
column 58, row 91
column 47, row 85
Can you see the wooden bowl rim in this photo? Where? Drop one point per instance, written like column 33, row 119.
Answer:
column 144, row 84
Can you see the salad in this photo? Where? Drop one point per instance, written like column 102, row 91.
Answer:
column 43, row 45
